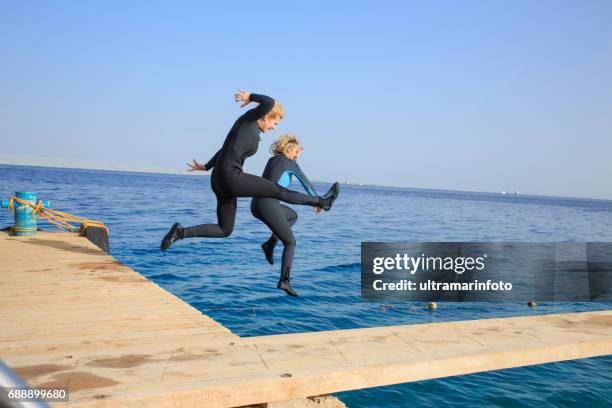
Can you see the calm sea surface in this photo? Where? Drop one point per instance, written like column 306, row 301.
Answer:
column 230, row 281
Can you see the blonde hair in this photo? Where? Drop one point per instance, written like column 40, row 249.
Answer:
column 283, row 143
column 277, row 111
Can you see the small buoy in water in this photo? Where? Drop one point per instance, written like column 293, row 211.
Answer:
column 531, row 303
column 432, row 306
column 389, row 306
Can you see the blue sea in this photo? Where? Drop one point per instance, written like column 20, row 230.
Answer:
column 230, row 281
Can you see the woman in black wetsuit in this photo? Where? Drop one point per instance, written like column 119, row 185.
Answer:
column 278, row 217
column 228, row 181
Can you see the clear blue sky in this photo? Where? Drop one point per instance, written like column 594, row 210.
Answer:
column 468, row 95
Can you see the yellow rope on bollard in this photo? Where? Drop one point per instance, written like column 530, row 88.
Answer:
column 61, row 219
column 38, row 207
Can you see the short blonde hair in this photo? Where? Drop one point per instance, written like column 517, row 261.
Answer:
column 283, row 143
column 277, row 111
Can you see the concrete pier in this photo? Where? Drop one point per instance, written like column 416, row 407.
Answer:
column 74, row 317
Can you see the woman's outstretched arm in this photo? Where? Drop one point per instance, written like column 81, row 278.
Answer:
column 195, row 166
column 294, row 168
column 211, row 163
column 265, row 105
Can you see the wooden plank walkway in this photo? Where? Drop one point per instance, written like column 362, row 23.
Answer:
column 72, row 316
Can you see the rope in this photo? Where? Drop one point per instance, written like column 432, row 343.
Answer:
column 61, row 219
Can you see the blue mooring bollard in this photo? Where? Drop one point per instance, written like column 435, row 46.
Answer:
column 25, row 221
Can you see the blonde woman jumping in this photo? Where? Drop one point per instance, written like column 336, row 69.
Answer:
column 280, row 169
column 228, row 181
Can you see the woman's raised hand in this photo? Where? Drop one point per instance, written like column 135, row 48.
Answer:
column 195, row 166
column 242, row 96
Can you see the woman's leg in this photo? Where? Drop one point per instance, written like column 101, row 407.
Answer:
column 226, row 216
column 248, row 185
column 268, row 246
column 275, row 217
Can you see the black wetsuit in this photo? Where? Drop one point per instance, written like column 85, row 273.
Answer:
column 228, row 181
column 280, row 218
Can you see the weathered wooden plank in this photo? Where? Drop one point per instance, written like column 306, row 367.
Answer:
column 90, row 324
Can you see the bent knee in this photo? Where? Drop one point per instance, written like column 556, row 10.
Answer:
column 227, row 231
column 289, row 242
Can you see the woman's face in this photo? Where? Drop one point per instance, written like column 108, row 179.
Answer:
column 293, row 152
column 268, row 123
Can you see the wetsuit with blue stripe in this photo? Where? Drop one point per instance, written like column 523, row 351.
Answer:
column 278, row 217
column 228, row 181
